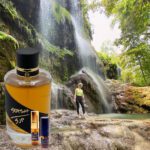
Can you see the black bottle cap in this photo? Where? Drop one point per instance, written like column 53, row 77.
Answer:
column 27, row 62
column 27, row 58
column 44, row 128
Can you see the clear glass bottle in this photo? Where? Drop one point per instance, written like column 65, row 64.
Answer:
column 27, row 88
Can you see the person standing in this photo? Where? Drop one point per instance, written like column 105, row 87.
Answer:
column 79, row 99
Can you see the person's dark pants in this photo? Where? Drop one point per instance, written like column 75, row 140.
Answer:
column 79, row 101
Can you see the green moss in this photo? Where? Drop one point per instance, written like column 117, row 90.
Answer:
column 53, row 59
column 139, row 99
column 12, row 17
column 55, row 50
column 8, row 46
column 87, row 25
column 3, row 27
column 9, row 38
column 60, row 13
column 65, row 73
column 9, row 6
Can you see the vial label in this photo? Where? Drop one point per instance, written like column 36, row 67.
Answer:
column 44, row 141
column 35, row 136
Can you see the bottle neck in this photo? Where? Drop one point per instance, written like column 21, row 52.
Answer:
column 27, row 72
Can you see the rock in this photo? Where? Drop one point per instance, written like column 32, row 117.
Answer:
column 8, row 46
column 97, row 97
column 93, row 133
column 17, row 23
column 29, row 9
column 62, row 97
column 128, row 98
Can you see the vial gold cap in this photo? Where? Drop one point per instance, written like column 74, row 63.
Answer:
column 34, row 119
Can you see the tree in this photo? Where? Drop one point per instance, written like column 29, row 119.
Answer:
column 133, row 16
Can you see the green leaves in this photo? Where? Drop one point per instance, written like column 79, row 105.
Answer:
column 137, row 61
column 110, row 64
column 133, row 16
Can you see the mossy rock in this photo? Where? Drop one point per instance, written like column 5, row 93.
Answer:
column 8, row 46
column 12, row 18
column 139, row 98
column 55, row 60
column 60, row 13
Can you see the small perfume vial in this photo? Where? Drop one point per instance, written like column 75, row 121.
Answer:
column 35, row 127
column 44, row 129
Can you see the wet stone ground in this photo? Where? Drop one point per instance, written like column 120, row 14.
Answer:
column 68, row 132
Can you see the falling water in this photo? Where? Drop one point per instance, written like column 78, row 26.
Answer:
column 45, row 28
column 101, row 89
column 45, row 17
column 56, row 96
column 87, row 54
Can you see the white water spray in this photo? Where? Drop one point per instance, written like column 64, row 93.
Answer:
column 87, row 54
column 45, row 17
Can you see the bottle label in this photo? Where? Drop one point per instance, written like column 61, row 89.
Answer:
column 35, row 136
column 19, row 116
column 44, row 141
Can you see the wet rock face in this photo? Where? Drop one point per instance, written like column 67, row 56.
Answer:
column 61, row 34
column 62, row 97
column 17, row 26
column 93, row 133
column 63, row 31
column 93, row 95
column 29, row 9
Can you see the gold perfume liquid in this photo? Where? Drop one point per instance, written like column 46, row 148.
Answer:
column 35, row 128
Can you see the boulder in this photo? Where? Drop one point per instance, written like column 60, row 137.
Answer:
column 62, row 97
column 97, row 96
column 128, row 98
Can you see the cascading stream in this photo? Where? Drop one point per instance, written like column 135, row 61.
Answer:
column 86, row 53
column 45, row 17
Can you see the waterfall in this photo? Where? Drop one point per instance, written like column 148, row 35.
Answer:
column 101, row 88
column 45, row 17
column 57, row 102
column 45, row 28
column 87, row 54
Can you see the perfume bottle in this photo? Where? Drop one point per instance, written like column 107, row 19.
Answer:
column 35, row 127
column 44, row 132
column 27, row 88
